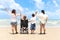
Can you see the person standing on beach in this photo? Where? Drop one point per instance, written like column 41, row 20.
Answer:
column 43, row 19
column 33, row 23
column 13, row 20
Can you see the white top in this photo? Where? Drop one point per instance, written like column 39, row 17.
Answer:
column 33, row 20
column 13, row 17
column 42, row 18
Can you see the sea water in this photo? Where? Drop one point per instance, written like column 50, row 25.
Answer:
column 50, row 23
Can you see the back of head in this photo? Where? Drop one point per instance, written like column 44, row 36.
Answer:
column 24, row 17
column 14, row 11
column 42, row 11
column 33, row 15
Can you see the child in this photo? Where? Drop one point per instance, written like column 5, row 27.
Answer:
column 33, row 23
column 24, row 25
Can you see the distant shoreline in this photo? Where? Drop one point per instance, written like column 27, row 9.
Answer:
column 50, row 23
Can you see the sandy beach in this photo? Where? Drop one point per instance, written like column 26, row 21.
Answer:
column 51, row 34
column 36, row 11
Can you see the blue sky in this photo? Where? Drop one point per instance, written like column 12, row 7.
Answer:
column 27, row 7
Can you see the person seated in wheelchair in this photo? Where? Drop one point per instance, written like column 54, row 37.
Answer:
column 24, row 24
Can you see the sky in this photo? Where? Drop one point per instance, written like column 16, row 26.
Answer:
column 27, row 7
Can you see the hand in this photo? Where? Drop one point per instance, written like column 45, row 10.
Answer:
column 36, row 12
column 19, row 11
column 6, row 9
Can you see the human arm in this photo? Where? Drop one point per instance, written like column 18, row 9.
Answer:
column 36, row 14
column 46, row 18
column 8, row 11
column 32, row 19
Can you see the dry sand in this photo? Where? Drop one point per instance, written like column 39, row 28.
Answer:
column 51, row 34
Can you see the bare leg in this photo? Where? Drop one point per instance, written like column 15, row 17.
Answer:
column 13, row 29
column 16, row 29
column 44, row 28
column 32, row 31
column 23, row 29
column 40, row 28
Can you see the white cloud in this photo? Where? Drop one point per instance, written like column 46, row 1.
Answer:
column 55, row 3
column 16, row 5
column 11, row 4
column 53, row 15
column 39, row 4
column 1, row 6
column 27, row 11
column 58, row 12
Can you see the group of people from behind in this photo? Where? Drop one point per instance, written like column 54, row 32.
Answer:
column 24, row 22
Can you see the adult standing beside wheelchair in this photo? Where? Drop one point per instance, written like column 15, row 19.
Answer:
column 43, row 20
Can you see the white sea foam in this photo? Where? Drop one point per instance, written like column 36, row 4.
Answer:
column 54, row 22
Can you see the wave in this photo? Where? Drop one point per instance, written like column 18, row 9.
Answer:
column 53, row 22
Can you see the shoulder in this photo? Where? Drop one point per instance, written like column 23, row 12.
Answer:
column 12, row 14
column 46, row 15
column 41, row 14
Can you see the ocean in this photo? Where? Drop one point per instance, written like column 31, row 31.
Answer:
column 6, row 22
column 50, row 23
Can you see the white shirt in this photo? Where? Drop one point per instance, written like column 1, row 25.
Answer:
column 33, row 20
column 42, row 18
column 13, row 19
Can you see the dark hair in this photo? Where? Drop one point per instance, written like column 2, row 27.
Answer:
column 14, row 11
column 33, row 15
column 43, row 11
column 24, row 17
